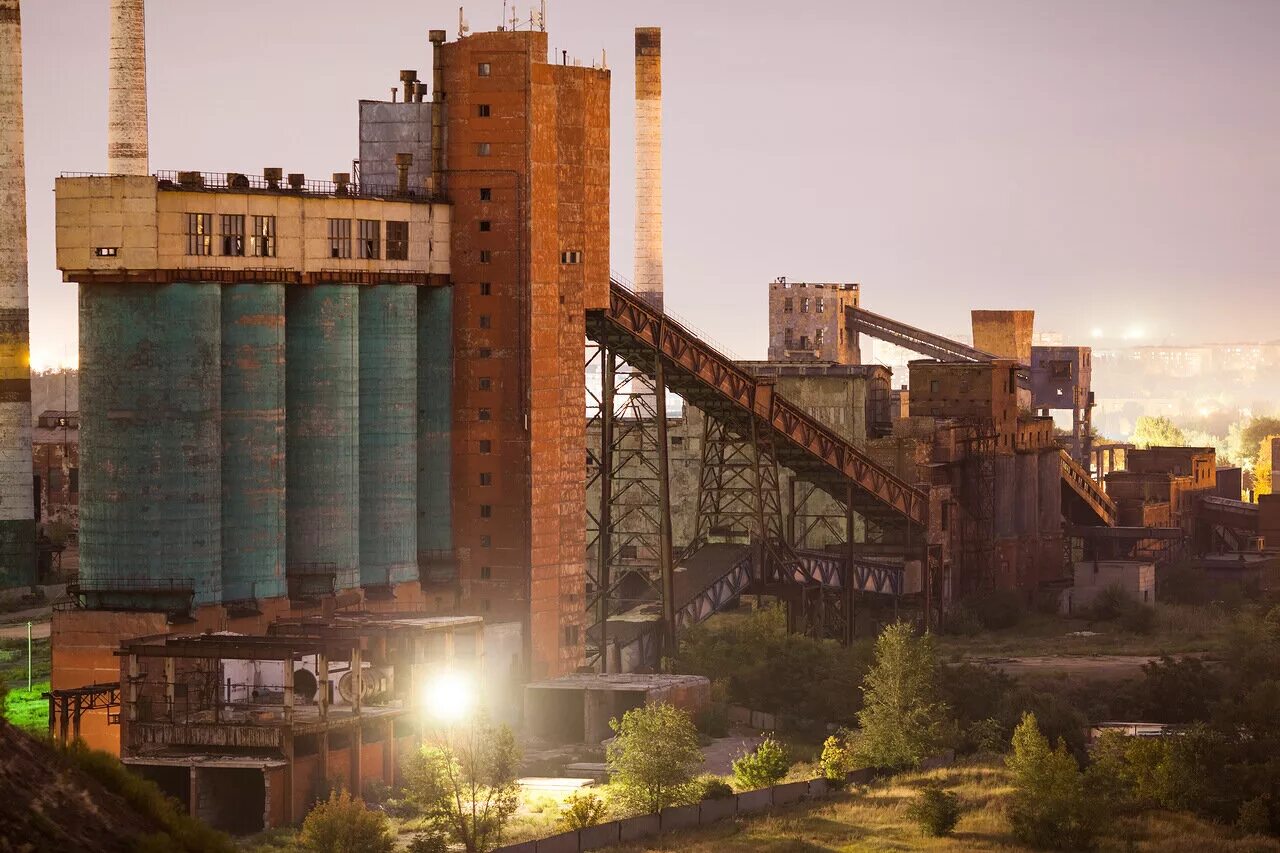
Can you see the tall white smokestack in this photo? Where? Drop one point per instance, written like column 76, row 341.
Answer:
column 648, row 271
column 127, row 90
column 17, row 505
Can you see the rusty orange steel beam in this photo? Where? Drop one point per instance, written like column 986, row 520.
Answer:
column 1074, row 475
column 686, row 352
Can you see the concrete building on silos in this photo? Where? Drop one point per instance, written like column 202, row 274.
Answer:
column 302, row 396
column 17, row 506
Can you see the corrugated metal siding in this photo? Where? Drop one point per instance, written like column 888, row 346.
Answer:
column 435, row 417
column 322, row 430
column 388, row 434
column 253, row 461
column 150, row 479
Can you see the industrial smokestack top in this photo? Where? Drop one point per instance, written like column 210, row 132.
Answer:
column 648, row 245
column 127, row 90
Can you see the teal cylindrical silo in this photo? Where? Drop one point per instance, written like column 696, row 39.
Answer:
column 253, row 466
column 388, row 434
column 150, row 441
column 435, row 419
column 322, row 433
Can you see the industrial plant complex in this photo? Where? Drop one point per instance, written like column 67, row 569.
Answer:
column 338, row 433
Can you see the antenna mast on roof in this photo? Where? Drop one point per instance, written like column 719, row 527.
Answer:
column 542, row 17
column 463, row 29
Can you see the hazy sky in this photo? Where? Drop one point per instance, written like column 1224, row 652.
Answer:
column 1112, row 164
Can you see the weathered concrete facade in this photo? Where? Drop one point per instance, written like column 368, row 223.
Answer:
column 807, row 322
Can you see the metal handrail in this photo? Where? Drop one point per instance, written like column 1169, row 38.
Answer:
column 239, row 182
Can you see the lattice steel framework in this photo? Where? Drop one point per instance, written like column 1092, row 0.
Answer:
column 977, row 500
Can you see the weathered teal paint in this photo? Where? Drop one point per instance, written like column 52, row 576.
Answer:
column 322, row 431
column 435, row 448
column 150, row 473
column 253, row 462
column 388, row 434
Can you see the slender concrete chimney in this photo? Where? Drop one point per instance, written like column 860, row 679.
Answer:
column 127, row 91
column 17, row 506
column 437, row 37
column 648, row 271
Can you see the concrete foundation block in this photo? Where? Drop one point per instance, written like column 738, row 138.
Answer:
column 710, row 811
column 601, row 835
column 565, row 842
column 792, row 792
column 678, row 817
column 942, row 759
column 861, row 777
column 642, row 826
column 755, row 801
column 523, row 847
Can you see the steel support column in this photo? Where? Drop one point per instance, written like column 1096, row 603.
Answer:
column 608, row 364
column 664, row 512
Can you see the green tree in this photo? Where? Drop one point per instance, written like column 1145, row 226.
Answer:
column 654, row 757
column 1252, row 434
column 761, row 768
column 1049, row 807
column 901, row 718
column 1157, row 431
column 341, row 824
column 1262, row 468
column 838, row 759
column 466, row 780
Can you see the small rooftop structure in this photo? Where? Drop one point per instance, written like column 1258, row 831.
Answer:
column 577, row 708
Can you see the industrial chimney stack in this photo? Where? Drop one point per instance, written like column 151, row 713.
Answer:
column 127, row 90
column 17, row 510
column 648, row 271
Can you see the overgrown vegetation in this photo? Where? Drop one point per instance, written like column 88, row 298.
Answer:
column 179, row 831
column 653, row 759
column 902, row 719
column 582, row 809
column 464, row 781
column 1051, row 807
column 342, row 824
column 784, row 673
column 937, row 811
column 763, row 767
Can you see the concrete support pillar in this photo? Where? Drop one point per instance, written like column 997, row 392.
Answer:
column 355, row 765
column 17, row 501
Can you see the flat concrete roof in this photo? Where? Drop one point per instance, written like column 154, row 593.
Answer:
column 181, row 758
column 616, row 681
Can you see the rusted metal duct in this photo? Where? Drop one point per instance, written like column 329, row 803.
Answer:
column 407, row 78
column 127, row 90
column 17, row 511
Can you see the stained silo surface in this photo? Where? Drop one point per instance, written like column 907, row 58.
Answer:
column 388, row 434
column 322, row 432
column 150, row 476
column 253, row 449
column 435, row 417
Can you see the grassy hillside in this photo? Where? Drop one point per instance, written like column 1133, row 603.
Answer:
column 875, row 819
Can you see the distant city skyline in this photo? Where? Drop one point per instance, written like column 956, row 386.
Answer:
column 1114, row 167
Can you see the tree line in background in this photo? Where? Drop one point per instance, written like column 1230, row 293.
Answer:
column 1246, row 443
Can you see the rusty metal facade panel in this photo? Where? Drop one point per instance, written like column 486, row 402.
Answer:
column 253, row 448
column 388, row 434
column 150, row 487
column 17, row 510
column 322, row 432
column 435, row 413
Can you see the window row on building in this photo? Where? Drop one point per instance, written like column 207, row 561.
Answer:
column 231, row 239
column 788, row 304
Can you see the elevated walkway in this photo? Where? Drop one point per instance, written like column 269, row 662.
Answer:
column 1083, row 500
column 712, row 382
column 882, row 328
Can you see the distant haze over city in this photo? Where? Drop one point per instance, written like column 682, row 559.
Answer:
column 1111, row 165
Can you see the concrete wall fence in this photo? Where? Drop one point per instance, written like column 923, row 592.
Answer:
column 699, row 814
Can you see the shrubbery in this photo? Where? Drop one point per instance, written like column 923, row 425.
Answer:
column 762, row 767
column 582, row 809
column 653, row 759
column 936, row 811
column 902, row 720
column 714, row 788
column 342, row 824
column 1050, row 806
column 838, row 759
